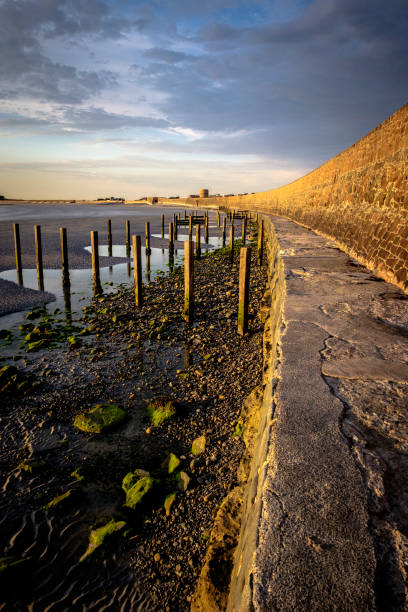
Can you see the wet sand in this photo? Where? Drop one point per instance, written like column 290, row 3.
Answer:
column 130, row 357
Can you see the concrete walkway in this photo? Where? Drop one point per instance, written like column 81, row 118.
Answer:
column 334, row 519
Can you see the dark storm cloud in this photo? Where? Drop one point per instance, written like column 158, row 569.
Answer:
column 314, row 83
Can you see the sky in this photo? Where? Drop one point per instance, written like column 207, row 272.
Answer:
column 132, row 98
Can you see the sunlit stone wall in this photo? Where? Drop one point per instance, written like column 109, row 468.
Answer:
column 359, row 198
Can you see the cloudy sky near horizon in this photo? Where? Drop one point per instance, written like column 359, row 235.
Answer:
column 163, row 97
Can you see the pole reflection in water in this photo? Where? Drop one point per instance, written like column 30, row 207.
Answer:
column 129, row 268
column 147, row 267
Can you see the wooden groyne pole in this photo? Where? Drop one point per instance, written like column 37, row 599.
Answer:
column 147, row 232
column 162, row 226
column 206, row 229
column 38, row 257
column 175, row 226
column 109, row 238
column 97, row 287
column 137, row 269
column 147, row 267
column 64, row 257
column 224, row 221
column 244, row 271
column 198, row 241
column 171, row 243
column 243, row 230
column 231, row 244
column 260, row 242
column 127, row 238
column 190, row 227
column 17, row 250
column 218, row 219
column 188, row 281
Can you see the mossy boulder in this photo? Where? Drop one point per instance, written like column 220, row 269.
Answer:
column 160, row 409
column 198, row 446
column 98, row 536
column 100, row 418
column 137, row 487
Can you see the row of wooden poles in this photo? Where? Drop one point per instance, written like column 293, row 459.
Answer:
column 189, row 252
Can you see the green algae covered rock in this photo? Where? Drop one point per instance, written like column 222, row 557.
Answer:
column 198, row 446
column 99, row 418
column 59, row 500
column 136, row 487
column 173, row 463
column 169, row 501
column 98, row 536
column 160, row 409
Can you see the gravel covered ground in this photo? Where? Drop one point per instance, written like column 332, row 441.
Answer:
column 131, row 356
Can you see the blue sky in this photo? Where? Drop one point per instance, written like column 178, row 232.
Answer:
column 165, row 97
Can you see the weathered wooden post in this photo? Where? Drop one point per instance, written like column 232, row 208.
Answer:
column 243, row 230
column 175, row 226
column 206, row 229
column 64, row 257
column 224, row 221
column 198, row 241
column 188, row 281
column 190, row 227
column 17, row 250
column 127, row 238
column 137, row 269
column 147, row 267
column 171, row 242
column 244, row 271
column 260, row 242
column 231, row 244
column 38, row 257
column 147, row 232
column 109, row 238
column 171, row 247
column 233, row 216
column 97, row 287
column 218, row 219
column 66, row 289
column 162, row 226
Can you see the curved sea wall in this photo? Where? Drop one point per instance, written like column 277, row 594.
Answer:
column 359, row 198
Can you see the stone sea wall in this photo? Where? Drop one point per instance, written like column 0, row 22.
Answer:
column 359, row 198
column 224, row 580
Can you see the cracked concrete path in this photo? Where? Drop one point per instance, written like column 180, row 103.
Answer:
column 332, row 533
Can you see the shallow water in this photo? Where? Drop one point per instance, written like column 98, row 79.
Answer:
column 81, row 286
